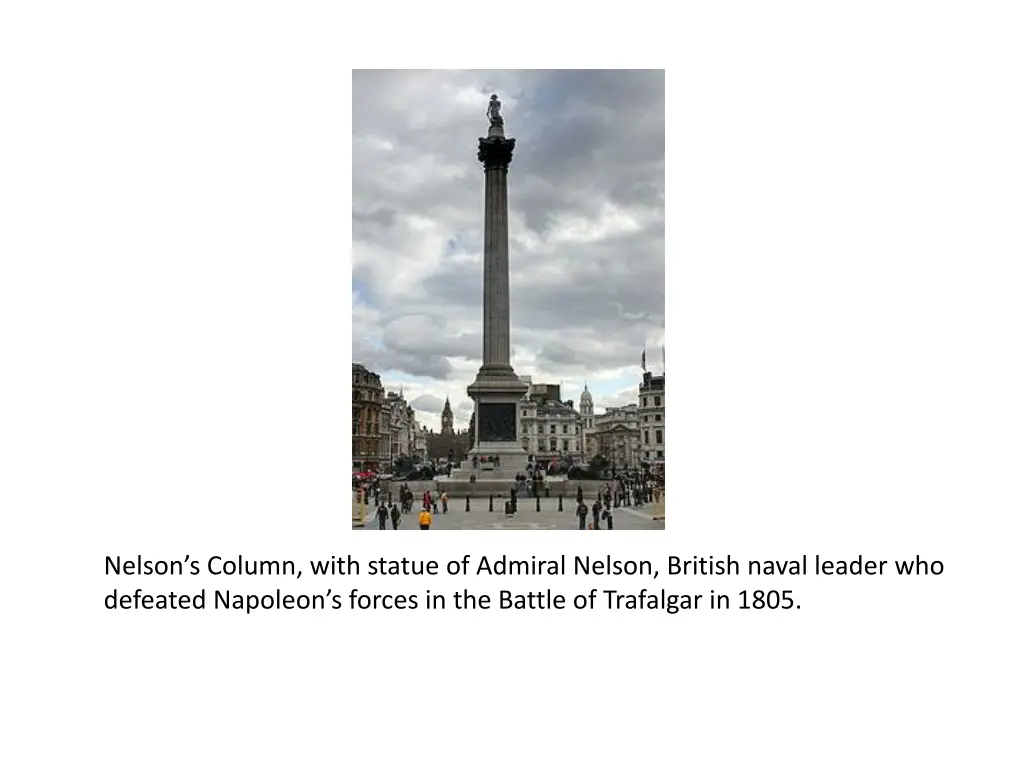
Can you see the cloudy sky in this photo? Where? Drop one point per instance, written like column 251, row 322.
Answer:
column 586, row 193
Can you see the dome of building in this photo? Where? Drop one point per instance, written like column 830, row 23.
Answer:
column 585, row 397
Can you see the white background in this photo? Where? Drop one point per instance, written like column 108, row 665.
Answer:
column 844, row 256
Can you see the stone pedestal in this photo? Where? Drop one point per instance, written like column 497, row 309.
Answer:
column 497, row 390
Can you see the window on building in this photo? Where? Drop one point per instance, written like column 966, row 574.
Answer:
column 552, row 429
column 645, row 419
column 657, row 417
column 644, row 401
column 657, row 402
column 661, row 454
column 565, row 446
column 565, row 429
column 524, row 411
column 657, row 437
column 647, row 436
column 554, row 444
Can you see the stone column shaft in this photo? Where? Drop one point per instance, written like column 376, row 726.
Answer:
column 496, row 288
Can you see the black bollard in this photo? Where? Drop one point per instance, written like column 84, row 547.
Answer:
column 538, row 503
column 467, row 503
column 490, row 503
column 389, row 498
column 560, row 502
column 547, row 492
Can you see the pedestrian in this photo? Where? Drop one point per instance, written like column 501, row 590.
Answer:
column 382, row 517
column 433, row 502
column 579, row 494
column 426, row 500
column 444, row 503
column 607, row 517
column 425, row 519
column 596, row 509
column 581, row 513
column 607, row 496
column 395, row 517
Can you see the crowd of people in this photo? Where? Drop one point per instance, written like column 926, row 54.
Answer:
column 428, row 507
column 622, row 492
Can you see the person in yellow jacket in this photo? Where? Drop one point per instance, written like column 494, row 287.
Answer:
column 426, row 519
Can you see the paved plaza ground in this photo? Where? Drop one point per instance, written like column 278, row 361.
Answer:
column 527, row 518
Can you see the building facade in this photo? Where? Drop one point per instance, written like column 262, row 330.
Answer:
column 419, row 450
column 444, row 445
column 616, row 436
column 549, row 428
column 652, row 418
column 398, row 429
column 367, row 401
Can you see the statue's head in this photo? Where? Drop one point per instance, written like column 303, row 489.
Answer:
column 494, row 97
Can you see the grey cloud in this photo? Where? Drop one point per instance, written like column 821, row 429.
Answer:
column 426, row 334
column 556, row 352
column 386, row 359
column 428, row 403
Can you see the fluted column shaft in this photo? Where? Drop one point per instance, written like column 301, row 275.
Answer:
column 495, row 152
column 496, row 293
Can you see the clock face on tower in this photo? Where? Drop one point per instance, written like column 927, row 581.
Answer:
column 497, row 422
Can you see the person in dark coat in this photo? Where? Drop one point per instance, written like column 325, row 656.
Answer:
column 579, row 494
column 395, row 517
column 596, row 509
column 581, row 513
column 382, row 517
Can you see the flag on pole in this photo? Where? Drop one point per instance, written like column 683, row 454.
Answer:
column 643, row 360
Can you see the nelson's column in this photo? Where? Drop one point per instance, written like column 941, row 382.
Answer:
column 497, row 390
